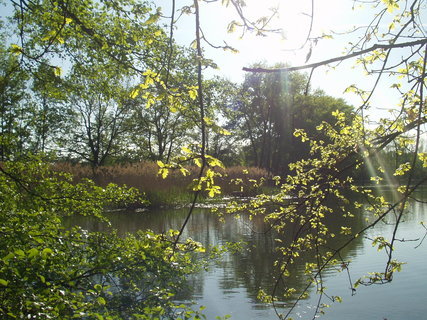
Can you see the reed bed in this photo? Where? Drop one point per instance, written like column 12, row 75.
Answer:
column 175, row 189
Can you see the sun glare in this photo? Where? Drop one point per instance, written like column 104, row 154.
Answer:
column 291, row 45
column 300, row 24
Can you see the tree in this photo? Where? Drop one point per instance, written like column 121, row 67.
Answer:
column 125, row 34
column 223, row 141
column 272, row 108
column 115, row 33
column 14, row 106
column 162, row 117
column 49, row 113
column 46, row 270
column 55, row 38
column 309, row 112
column 100, row 103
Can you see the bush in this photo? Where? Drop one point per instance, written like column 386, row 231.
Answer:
column 47, row 271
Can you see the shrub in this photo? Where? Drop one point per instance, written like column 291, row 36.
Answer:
column 47, row 271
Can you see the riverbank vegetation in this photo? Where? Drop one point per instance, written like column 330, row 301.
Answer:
column 177, row 189
column 103, row 91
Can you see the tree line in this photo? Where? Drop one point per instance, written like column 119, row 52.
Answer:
column 103, row 82
column 98, row 113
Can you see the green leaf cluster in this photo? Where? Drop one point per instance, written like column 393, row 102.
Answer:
column 49, row 271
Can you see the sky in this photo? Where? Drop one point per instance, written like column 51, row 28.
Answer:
column 293, row 18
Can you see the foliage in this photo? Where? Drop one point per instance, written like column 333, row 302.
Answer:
column 107, row 32
column 318, row 190
column 13, row 107
column 47, row 271
column 391, row 43
column 99, row 106
column 222, row 117
column 272, row 107
column 163, row 111
column 82, row 61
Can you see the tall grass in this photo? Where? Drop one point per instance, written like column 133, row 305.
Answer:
column 175, row 189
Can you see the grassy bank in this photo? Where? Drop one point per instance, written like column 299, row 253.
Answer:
column 175, row 189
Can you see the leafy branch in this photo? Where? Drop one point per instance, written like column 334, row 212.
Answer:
column 385, row 47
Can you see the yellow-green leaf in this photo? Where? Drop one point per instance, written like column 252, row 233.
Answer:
column 57, row 71
column 15, row 49
column 32, row 252
column 225, row 132
column 184, row 172
column 391, row 5
column 163, row 172
column 193, row 93
column 134, row 93
column 152, row 19
column 160, row 164
column 186, row 150
column 208, row 121
column 197, row 162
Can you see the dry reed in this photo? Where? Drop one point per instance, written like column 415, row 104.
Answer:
column 172, row 190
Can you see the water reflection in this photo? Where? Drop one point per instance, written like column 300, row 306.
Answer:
column 231, row 285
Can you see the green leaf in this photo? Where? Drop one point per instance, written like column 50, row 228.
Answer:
column 186, row 150
column 160, row 164
column 3, row 282
column 164, row 172
column 391, row 5
column 101, row 301
column 42, row 278
column 20, row 252
column 46, row 252
column 152, row 19
column 208, row 121
column 32, row 252
column 184, row 172
column 193, row 93
column 224, row 132
column 197, row 162
column 232, row 26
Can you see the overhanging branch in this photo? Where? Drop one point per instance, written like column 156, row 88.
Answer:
column 340, row 58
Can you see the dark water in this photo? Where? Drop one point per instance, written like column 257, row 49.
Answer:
column 230, row 286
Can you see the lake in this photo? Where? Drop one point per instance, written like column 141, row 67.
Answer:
column 230, row 285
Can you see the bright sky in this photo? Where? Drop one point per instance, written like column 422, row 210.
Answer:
column 293, row 17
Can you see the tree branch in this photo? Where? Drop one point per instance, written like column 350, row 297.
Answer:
column 340, row 58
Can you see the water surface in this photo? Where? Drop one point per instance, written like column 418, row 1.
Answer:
column 230, row 286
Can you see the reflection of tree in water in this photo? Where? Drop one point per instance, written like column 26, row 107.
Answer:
column 252, row 267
